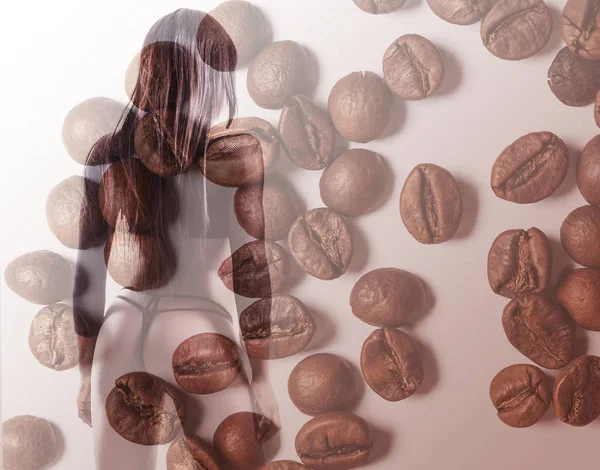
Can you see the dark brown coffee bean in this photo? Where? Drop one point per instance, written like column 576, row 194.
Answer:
column 540, row 329
column 278, row 72
column 241, row 153
column 239, row 440
column 360, row 106
column 283, row 465
column 588, row 172
column 307, row 134
column 413, row 67
column 257, row 269
column 321, row 243
column 189, row 452
column 521, row 394
column 431, row 204
column 573, row 79
column 516, row 29
column 519, row 261
column 463, row 12
column 320, row 383
column 531, row 168
column 276, row 327
column 576, row 391
column 581, row 27
column 391, row 364
column 335, row 440
column 145, row 409
column 29, row 443
column 206, row 363
column 353, row 184
column 379, row 7
column 388, row 297
column 265, row 210
column 580, row 236
column 579, row 294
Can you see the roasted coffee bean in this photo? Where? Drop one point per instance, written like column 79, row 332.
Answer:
column 40, row 277
column 265, row 210
column 413, row 67
column 189, row 452
column 379, row 7
column 391, row 364
column 283, row 465
column 239, row 440
column 463, row 12
column 321, row 243
column 277, row 326
column 597, row 109
column 280, row 71
column 531, row 168
column 206, row 363
column 519, row 261
column 353, row 184
column 521, row 394
column 576, row 393
column 307, row 134
column 573, row 79
column 29, row 443
column 144, row 409
column 52, row 338
column 580, row 236
column 581, row 27
column 431, row 204
column 540, row 329
column 579, row 294
column 360, row 106
column 335, row 440
column 241, row 153
column 257, row 269
column 320, row 383
column 588, row 172
column 388, row 297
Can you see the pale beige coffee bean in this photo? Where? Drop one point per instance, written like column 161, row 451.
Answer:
column 29, row 443
column 379, row 7
column 461, row 12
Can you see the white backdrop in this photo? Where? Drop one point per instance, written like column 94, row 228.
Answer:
column 56, row 54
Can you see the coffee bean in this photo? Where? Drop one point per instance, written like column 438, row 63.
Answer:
column 579, row 294
column 521, row 394
column 580, row 236
column 360, row 106
column 321, row 243
column 52, row 338
column 388, row 297
column 307, row 134
column 353, row 184
column 241, row 153
column 283, row 465
column 576, row 391
column 278, row 72
column 40, row 277
column 462, row 12
column 379, row 7
column 29, row 443
column 519, row 261
column 431, row 204
column 335, row 440
column 239, row 440
column 597, row 109
column 276, row 327
column 265, row 210
column 257, row 269
column 206, row 363
column 144, row 409
column 540, row 329
column 573, row 79
column 531, row 168
column 588, row 171
column 189, row 452
column 581, row 27
column 320, row 383
column 516, row 29
column 391, row 364
column 413, row 67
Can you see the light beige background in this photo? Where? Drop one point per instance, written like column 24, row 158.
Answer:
column 56, row 54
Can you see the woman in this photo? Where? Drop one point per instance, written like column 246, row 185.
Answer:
column 168, row 255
